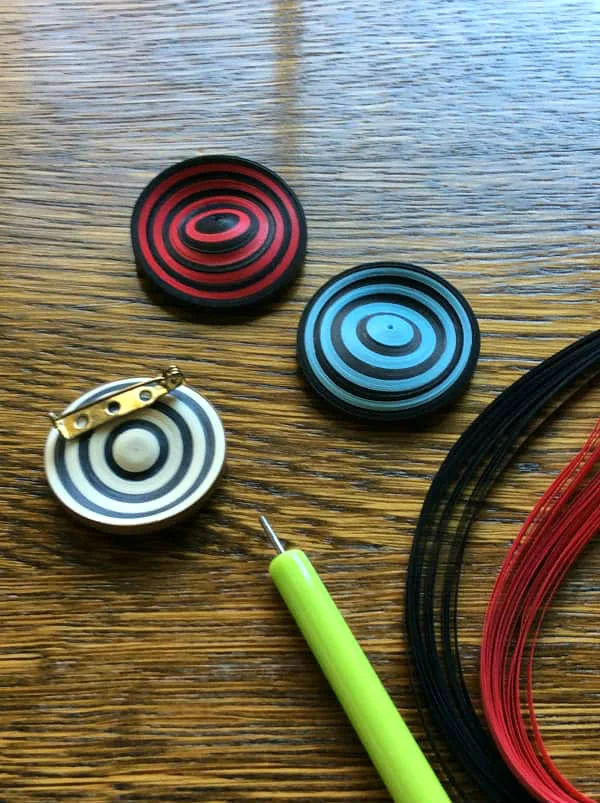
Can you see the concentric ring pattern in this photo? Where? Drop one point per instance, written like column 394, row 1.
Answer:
column 218, row 231
column 143, row 471
column 388, row 341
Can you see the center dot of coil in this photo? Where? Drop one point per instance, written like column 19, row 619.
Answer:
column 389, row 330
column 217, row 223
column 136, row 450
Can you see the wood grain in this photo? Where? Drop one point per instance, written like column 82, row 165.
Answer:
column 462, row 136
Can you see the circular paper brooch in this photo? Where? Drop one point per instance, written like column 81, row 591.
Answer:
column 388, row 341
column 218, row 231
column 137, row 454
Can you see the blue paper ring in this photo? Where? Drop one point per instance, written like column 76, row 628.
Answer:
column 388, row 341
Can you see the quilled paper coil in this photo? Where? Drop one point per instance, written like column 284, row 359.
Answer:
column 142, row 472
column 218, row 231
column 388, row 341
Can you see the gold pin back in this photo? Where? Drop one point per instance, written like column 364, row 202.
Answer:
column 142, row 394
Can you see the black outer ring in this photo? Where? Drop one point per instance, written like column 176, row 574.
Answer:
column 198, row 303
column 423, row 410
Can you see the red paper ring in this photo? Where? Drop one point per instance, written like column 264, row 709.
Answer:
column 218, row 231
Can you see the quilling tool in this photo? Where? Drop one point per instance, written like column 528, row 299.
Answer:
column 135, row 455
column 388, row 341
column 393, row 750
column 218, row 231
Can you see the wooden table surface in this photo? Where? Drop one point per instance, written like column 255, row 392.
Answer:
column 462, row 136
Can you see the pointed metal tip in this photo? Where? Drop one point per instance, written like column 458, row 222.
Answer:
column 271, row 534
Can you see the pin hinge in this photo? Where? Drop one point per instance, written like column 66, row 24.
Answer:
column 115, row 405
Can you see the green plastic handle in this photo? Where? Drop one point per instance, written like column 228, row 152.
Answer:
column 394, row 752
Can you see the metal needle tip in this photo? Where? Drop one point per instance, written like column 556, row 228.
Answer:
column 272, row 535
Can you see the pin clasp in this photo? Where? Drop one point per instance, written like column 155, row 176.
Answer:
column 115, row 405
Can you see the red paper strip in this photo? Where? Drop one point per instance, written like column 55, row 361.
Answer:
column 565, row 519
